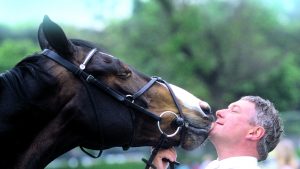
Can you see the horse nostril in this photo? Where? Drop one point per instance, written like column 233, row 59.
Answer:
column 207, row 110
column 209, row 113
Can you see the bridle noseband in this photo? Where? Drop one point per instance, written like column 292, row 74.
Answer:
column 128, row 100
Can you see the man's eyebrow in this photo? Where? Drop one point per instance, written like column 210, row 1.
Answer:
column 231, row 106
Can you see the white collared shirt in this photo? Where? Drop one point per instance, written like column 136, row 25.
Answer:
column 242, row 162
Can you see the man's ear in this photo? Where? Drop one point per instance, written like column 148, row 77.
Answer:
column 256, row 133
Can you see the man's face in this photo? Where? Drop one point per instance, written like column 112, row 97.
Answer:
column 232, row 124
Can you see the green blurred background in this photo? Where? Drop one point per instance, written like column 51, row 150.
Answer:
column 219, row 50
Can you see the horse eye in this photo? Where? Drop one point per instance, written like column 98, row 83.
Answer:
column 124, row 75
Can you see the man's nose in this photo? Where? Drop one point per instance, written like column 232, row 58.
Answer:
column 220, row 113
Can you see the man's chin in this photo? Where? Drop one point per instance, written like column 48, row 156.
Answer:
column 212, row 126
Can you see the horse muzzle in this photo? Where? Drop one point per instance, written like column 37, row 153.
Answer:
column 192, row 134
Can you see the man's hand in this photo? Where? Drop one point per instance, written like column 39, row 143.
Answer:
column 169, row 154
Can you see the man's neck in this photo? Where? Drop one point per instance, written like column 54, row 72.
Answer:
column 226, row 151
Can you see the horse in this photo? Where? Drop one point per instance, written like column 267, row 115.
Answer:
column 92, row 100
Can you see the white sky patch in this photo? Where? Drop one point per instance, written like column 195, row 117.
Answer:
column 92, row 14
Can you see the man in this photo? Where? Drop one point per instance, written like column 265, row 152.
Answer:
column 243, row 134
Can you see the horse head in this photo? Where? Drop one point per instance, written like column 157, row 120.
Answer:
column 121, row 112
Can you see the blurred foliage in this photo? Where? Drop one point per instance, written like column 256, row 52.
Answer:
column 11, row 51
column 218, row 50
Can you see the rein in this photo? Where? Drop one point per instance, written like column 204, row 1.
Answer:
column 128, row 100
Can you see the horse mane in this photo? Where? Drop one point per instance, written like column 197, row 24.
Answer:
column 15, row 77
column 12, row 78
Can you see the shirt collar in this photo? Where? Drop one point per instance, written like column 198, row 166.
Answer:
column 239, row 161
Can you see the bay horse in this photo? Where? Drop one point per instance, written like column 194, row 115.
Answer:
column 46, row 109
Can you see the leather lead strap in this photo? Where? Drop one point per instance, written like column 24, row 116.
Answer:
column 149, row 164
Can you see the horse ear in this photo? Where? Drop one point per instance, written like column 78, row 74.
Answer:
column 51, row 36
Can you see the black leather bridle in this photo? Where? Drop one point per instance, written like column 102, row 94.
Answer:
column 128, row 100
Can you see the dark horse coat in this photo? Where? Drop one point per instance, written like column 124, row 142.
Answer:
column 45, row 110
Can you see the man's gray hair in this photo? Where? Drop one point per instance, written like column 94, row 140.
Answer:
column 267, row 117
